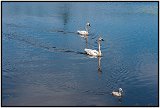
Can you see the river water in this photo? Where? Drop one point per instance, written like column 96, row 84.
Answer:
column 43, row 60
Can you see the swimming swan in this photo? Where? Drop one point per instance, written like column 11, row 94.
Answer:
column 118, row 93
column 95, row 52
column 85, row 32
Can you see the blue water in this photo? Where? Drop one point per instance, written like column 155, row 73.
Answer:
column 43, row 60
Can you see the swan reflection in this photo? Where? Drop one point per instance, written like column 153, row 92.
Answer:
column 86, row 39
column 99, row 66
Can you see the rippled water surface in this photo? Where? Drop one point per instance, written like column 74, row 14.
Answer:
column 43, row 60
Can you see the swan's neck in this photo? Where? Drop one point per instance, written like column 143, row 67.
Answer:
column 87, row 29
column 99, row 48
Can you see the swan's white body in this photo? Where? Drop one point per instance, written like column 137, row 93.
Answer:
column 84, row 32
column 118, row 93
column 95, row 52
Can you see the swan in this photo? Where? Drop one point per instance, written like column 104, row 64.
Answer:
column 118, row 93
column 84, row 32
column 95, row 52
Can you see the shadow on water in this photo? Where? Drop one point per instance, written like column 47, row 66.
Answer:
column 66, row 14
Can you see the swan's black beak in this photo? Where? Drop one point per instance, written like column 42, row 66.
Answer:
column 102, row 39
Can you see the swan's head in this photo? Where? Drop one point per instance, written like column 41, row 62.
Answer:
column 88, row 24
column 120, row 90
column 100, row 39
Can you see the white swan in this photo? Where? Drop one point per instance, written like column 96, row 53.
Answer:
column 95, row 52
column 84, row 32
column 118, row 93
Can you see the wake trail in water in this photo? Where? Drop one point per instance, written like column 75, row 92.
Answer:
column 62, row 31
column 36, row 43
column 92, row 35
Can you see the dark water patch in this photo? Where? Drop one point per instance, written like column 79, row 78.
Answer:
column 62, row 31
column 69, row 51
column 16, row 25
column 94, row 37
column 56, row 31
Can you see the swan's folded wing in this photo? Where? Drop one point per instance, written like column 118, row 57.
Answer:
column 91, row 52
